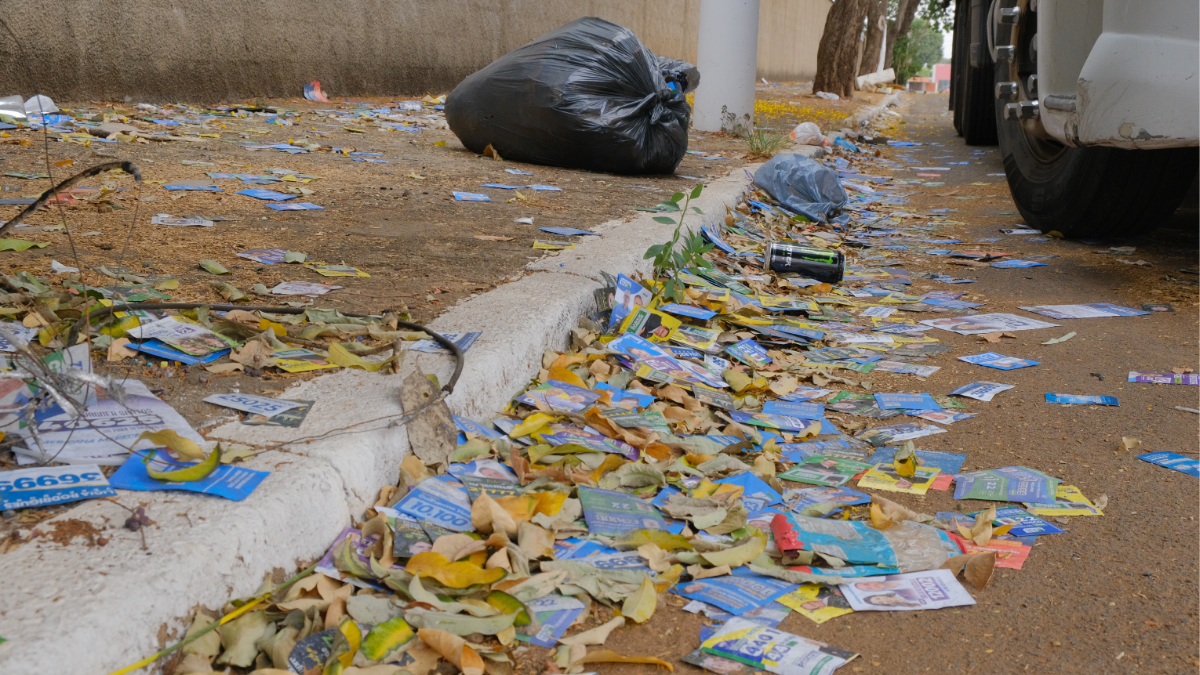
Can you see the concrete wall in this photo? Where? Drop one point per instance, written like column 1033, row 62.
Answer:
column 206, row 50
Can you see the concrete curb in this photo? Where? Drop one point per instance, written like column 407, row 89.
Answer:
column 83, row 609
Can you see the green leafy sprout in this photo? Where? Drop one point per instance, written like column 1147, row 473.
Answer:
column 684, row 250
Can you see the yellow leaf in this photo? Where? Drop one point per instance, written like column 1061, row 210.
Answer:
column 353, row 635
column 440, row 144
column 905, row 461
column 341, row 356
column 489, row 516
column 453, row 648
column 185, row 448
column 532, row 424
column 609, row 656
column 118, row 351
column 640, row 606
column 386, row 638
column 562, row 374
column 276, row 328
column 459, row 574
column 738, row 555
column 198, row 471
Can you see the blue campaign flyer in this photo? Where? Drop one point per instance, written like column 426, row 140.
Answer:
column 259, row 193
column 1175, row 461
column 906, row 402
column 1081, row 400
column 623, row 398
column 1024, row 524
column 230, row 482
column 609, row 512
column 749, row 352
column 716, row 240
column 689, row 311
column 44, row 486
column 753, row 488
column 798, row 500
column 471, row 426
column 440, row 500
column 994, row 360
column 799, row 452
column 736, row 594
column 945, row 462
column 158, row 348
column 627, row 295
column 781, row 422
column 555, row 613
column 471, row 197
column 804, row 411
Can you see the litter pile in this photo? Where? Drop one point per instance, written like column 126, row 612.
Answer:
column 710, row 433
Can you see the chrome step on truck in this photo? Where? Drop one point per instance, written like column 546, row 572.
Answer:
column 1095, row 105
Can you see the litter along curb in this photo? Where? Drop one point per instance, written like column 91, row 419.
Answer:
column 126, row 602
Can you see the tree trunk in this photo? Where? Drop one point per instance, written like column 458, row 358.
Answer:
column 876, row 23
column 905, row 13
column 837, row 54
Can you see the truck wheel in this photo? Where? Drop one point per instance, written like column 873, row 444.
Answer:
column 974, row 96
column 1081, row 192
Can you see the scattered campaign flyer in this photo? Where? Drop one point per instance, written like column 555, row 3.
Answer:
column 461, row 340
column 555, row 613
column 300, row 360
column 986, row 323
column 749, row 352
column 945, row 462
column 880, row 436
column 817, row 602
column 994, row 360
column 266, row 256
column 736, row 594
column 269, row 195
column 259, row 405
column 230, row 482
column 555, row 395
column 781, row 422
column 1071, row 399
column 981, row 391
column 471, row 197
column 1006, row 264
column 688, row 311
column 906, row 402
column 1068, row 501
column 188, row 338
column 774, row 650
column 492, row 487
column 302, row 288
column 630, row 419
column 932, row 589
column 48, row 485
column 651, row 323
column 185, row 221
column 609, row 512
column 623, row 398
column 714, row 397
column 440, row 500
column 291, row 419
column 855, row 542
column 885, row 477
column 756, row 493
column 408, row 538
column 880, row 312
column 1009, row 554
column 804, row 411
column 804, row 393
column 695, row 337
column 1094, row 310
column 906, row 368
column 1006, row 484
column 827, row 471
column 798, row 500
column 627, row 295
column 847, row 448
column 568, row 231
column 1155, row 378
column 1023, row 523
column 941, row 416
column 1172, row 460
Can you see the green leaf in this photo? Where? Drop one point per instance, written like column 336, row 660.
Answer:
column 664, row 220
column 213, row 266
column 386, row 638
column 227, row 291
column 195, row 472
column 20, row 244
column 696, row 190
column 668, row 206
column 677, row 196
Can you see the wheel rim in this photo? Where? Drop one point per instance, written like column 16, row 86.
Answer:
column 1042, row 146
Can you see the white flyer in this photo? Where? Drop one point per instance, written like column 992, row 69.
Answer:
column 932, row 589
column 986, row 323
column 259, row 405
column 881, row 312
column 981, row 391
column 185, row 221
column 910, row 368
column 106, row 431
column 302, row 288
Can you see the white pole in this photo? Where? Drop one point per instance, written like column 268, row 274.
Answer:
column 727, row 57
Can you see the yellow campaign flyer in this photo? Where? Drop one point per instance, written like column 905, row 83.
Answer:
column 883, row 476
column 1068, row 501
column 650, row 324
column 300, row 360
column 816, row 602
column 695, row 337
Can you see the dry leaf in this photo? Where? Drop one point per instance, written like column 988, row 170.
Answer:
column 640, row 606
column 1130, row 444
column 487, row 515
column 699, row 572
column 254, row 354
column 979, row 569
column 219, row 368
column 1101, row 502
column 489, row 237
column 595, row 636
column 118, row 351
column 655, row 556
column 609, row 656
column 454, row 649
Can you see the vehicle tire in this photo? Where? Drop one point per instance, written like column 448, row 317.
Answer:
column 975, row 106
column 958, row 62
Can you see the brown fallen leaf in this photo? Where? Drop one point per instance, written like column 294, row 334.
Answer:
column 609, row 656
column 454, row 649
column 1101, row 502
column 118, row 351
column 489, row 151
column 699, row 572
column 490, row 237
column 995, row 337
column 1130, row 444
column 1182, row 370
column 979, row 569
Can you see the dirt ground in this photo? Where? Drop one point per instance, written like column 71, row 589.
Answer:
column 1114, row 594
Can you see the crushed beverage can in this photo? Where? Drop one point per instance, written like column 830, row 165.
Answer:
column 814, row 263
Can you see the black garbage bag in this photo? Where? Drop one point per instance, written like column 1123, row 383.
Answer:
column 588, row 96
column 805, row 186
